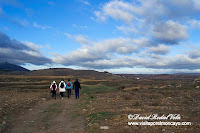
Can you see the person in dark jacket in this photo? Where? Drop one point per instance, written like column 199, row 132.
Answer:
column 76, row 87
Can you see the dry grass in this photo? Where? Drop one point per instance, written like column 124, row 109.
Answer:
column 102, row 103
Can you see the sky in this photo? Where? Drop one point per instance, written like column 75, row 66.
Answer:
column 119, row 36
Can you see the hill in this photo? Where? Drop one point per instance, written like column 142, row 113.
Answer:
column 11, row 67
column 69, row 72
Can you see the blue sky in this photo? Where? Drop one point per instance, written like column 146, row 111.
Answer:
column 120, row 36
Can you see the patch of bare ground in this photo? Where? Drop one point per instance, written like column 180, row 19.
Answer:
column 31, row 112
column 49, row 116
column 14, row 103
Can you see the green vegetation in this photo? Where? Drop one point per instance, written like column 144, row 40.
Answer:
column 88, row 96
column 89, row 90
column 95, row 117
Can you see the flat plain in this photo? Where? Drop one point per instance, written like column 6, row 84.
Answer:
column 27, row 106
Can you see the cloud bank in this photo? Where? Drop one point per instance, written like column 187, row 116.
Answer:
column 17, row 52
column 158, row 27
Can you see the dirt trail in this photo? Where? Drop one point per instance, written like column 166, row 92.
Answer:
column 52, row 116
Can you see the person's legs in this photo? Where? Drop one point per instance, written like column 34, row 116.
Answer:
column 70, row 91
column 54, row 94
column 76, row 92
column 61, row 94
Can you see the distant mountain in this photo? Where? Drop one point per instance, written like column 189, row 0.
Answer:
column 186, row 73
column 11, row 67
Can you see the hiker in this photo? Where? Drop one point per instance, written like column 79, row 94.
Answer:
column 53, row 88
column 77, row 86
column 62, row 86
column 69, row 87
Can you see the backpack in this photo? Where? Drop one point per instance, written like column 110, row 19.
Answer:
column 54, row 87
column 68, row 84
column 62, row 85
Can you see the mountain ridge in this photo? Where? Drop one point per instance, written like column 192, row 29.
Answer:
column 5, row 66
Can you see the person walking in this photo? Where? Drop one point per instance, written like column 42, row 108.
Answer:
column 77, row 86
column 53, row 88
column 69, row 87
column 62, row 90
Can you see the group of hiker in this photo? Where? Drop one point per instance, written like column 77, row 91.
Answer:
column 63, row 87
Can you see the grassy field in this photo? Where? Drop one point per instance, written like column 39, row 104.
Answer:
column 106, row 102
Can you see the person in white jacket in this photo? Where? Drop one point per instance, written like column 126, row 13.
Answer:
column 62, row 86
column 53, row 88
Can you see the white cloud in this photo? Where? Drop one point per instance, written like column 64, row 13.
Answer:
column 117, row 10
column 160, row 49
column 33, row 53
column 141, row 42
column 124, row 52
column 150, row 71
column 79, row 26
column 167, row 9
column 146, row 9
column 124, row 61
column 20, row 22
column 182, row 62
column 85, row 2
column 94, row 51
column 196, row 4
column 194, row 23
column 170, row 32
column 78, row 38
column 36, row 47
column 118, row 45
column 81, row 39
column 127, row 29
column 43, row 27
column 177, row 62
column 100, row 16
column 194, row 53
column 31, row 45
column 185, row 4
column 128, row 11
